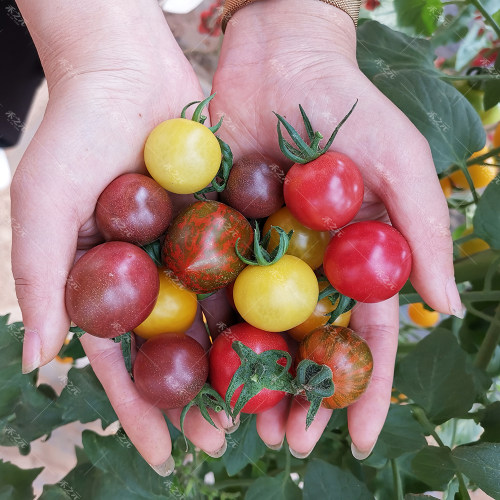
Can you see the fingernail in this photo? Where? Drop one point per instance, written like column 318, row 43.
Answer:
column 233, row 428
column 31, row 351
column 296, row 454
column 358, row 454
column 166, row 468
column 454, row 302
column 219, row 452
column 276, row 447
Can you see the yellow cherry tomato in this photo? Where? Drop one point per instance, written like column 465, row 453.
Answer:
column 446, row 186
column 422, row 316
column 470, row 247
column 183, row 156
column 174, row 311
column 496, row 137
column 481, row 175
column 319, row 317
column 276, row 297
column 306, row 244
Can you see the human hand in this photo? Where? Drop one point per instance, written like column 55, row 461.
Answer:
column 277, row 55
column 113, row 74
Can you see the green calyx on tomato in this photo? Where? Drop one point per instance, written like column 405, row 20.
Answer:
column 305, row 153
column 219, row 182
column 125, row 341
column 261, row 255
column 344, row 303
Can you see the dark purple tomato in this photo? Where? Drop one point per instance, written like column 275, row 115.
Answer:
column 199, row 245
column 112, row 289
column 255, row 186
column 170, row 370
column 368, row 261
column 133, row 208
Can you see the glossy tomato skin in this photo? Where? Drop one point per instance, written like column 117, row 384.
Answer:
column 174, row 311
column 306, row 244
column 182, row 155
column 348, row 356
column 326, row 193
column 199, row 245
column 224, row 362
column 170, row 370
column 112, row 289
column 133, row 208
column 255, row 186
column 319, row 317
column 276, row 297
column 368, row 261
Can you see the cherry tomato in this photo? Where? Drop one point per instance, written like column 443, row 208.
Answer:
column 446, row 186
column 368, row 261
column 199, row 245
column 306, row 244
column 224, row 362
column 133, row 208
column 326, row 193
column 319, row 317
column 255, row 186
column 174, row 311
column 481, row 175
column 276, row 297
column 348, row 356
column 112, row 289
column 182, row 155
column 422, row 316
column 470, row 247
column 496, row 137
column 170, row 370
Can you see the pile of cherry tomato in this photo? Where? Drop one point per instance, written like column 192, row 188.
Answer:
column 268, row 242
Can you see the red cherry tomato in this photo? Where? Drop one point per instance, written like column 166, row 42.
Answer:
column 368, row 261
column 326, row 193
column 224, row 362
column 170, row 370
column 112, row 289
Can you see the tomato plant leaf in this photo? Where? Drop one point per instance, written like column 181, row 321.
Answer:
column 244, row 446
column 422, row 15
column 487, row 217
column 323, row 480
column 15, row 483
column 401, row 433
column 480, row 463
column 280, row 487
column 434, row 375
column 73, row 349
column 489, row 418
column 433, row 465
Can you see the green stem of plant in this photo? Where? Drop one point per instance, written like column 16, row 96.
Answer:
column 398, row 485
column 462, row 488
column 489, row 343
column 482, row 315
column 489, row 19
column 473, row 78
column 480, row 159
column 233, row 483
column 422, row 419
column 408, row 297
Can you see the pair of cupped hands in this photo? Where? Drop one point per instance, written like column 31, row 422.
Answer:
column 109, row 90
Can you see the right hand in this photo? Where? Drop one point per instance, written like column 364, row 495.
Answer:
column 109, row 86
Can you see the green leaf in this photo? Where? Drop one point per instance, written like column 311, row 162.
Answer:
column 411, row 496
column 280, row 487
column 434, row 375
column 84, row 399
column 402, row 68
column 433, row 465
column 323, row 480
column 487, row 217
column 492, row 87
column 73, row 349
column 422, row 15
column 480, row 463
column 243, row 446
column 401, row 433
column 15, row 483
column 490, row 422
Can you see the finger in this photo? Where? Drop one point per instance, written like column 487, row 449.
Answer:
column 378, row 324
column 418, row 209
column 300, row 440
column 218, row 312
column 143, row 423
column 201, row 433
column 271, row 424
